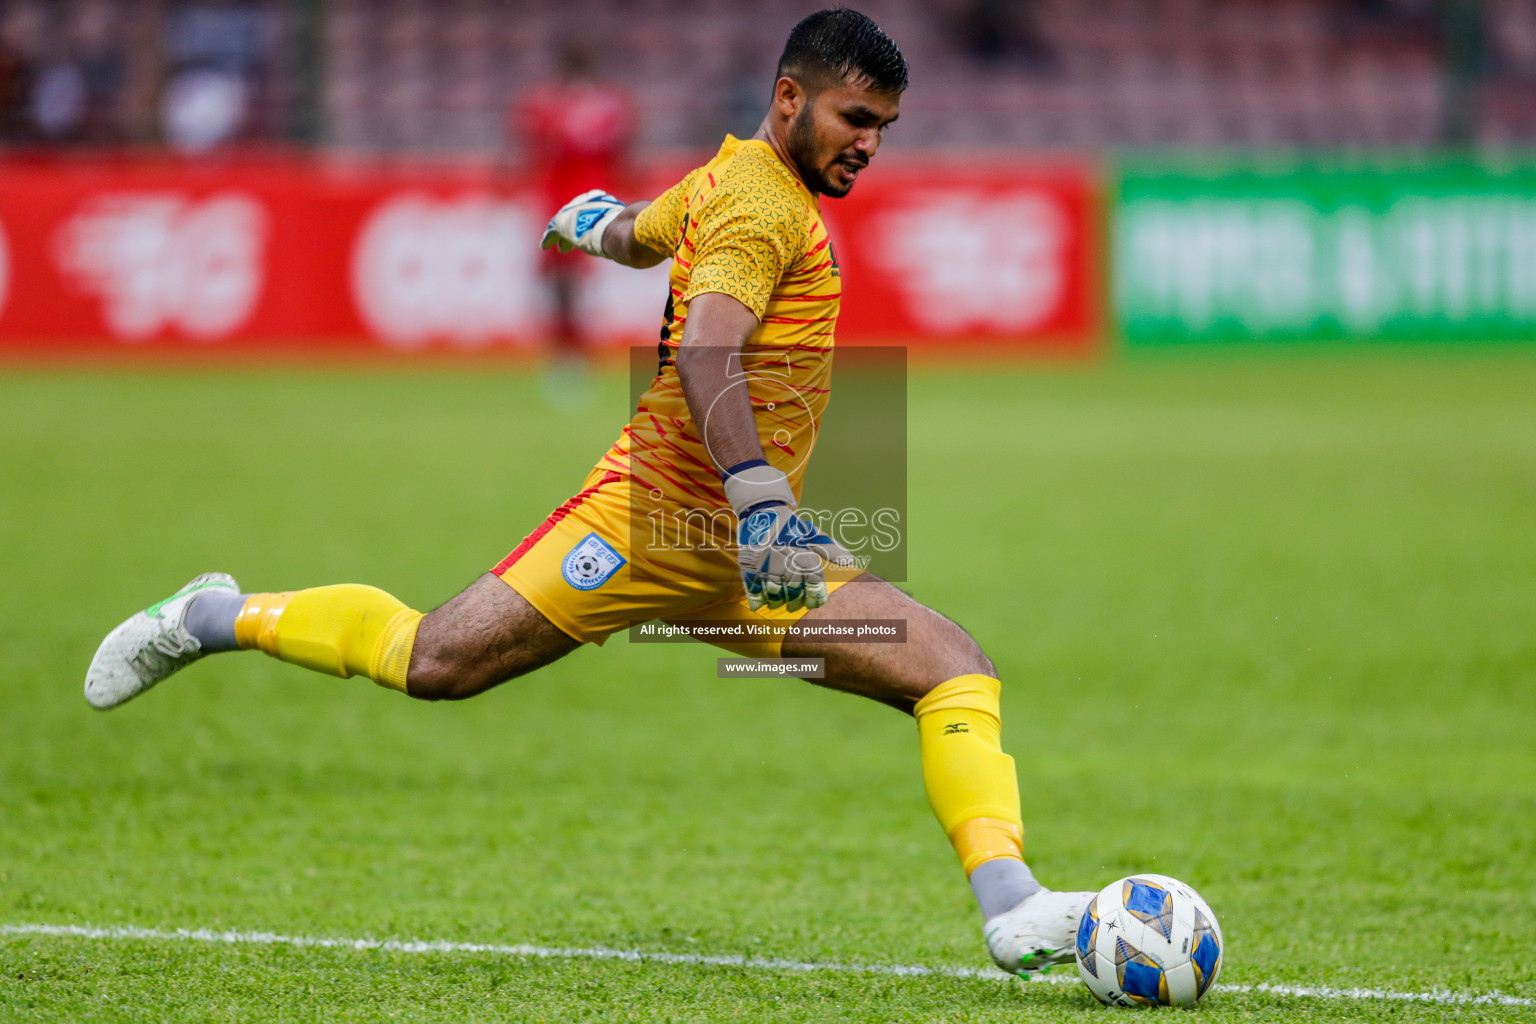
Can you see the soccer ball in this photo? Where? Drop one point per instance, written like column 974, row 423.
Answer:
column 1148, row 940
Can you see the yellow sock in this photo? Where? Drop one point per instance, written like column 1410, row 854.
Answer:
column 971, row 783
column 343, row 630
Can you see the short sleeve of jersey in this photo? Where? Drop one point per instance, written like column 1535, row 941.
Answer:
column 660, row 225
column 746, row 238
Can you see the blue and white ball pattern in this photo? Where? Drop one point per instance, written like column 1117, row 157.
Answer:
column 1149, row 940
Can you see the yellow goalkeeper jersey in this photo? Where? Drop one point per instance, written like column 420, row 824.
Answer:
column 742, row 224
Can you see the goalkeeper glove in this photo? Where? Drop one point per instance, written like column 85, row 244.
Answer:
column 780, row 554
column 580, row 223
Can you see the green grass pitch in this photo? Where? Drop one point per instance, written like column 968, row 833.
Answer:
column 1267, row 624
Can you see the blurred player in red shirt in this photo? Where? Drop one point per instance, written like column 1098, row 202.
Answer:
column 576, row 131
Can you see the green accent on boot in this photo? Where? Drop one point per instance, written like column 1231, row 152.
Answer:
column 153, row 611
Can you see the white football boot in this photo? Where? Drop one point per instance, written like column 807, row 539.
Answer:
column 1038, row 933
column 148, row 647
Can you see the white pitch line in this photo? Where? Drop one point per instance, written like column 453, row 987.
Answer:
column 232, row 938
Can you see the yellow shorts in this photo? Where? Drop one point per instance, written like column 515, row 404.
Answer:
column 597, row 565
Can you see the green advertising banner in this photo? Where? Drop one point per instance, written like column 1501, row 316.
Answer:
column 1427, row 253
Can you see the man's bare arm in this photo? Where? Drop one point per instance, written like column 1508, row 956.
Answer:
column 621, row 245
column 709, row 368
column 781, row 556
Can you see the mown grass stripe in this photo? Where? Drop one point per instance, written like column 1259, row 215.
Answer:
column 231, row 937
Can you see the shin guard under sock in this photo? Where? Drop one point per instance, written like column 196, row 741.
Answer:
column 970, row 782
column 341, row 630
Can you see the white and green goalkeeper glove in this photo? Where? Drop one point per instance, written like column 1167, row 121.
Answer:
column 782, row 556
column 580, row 223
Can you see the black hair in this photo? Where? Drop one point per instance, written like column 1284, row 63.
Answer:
column 842, row 44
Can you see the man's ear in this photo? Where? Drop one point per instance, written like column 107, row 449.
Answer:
column 789, row 96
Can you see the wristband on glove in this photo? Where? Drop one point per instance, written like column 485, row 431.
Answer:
column 754, row 483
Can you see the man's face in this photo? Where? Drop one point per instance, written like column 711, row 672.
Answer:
column 836, row 133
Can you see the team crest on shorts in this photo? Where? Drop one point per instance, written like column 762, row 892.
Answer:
column 590, row 563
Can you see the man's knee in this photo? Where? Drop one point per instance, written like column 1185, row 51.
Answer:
column 484, row 636
column 976, row 659
column 433, row 677
column 937, row 650
column 954, row 653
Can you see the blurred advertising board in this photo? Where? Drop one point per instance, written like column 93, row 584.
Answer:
column 251, row 255
column 957, row 255
column 1422, row 253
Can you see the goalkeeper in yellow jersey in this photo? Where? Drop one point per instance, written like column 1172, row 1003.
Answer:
column 718, row 443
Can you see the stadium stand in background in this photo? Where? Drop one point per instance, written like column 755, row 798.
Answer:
column 438, row 76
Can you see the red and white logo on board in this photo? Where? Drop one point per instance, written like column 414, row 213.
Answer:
column 976, row 261
column 458, row 269
column 165, row 262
